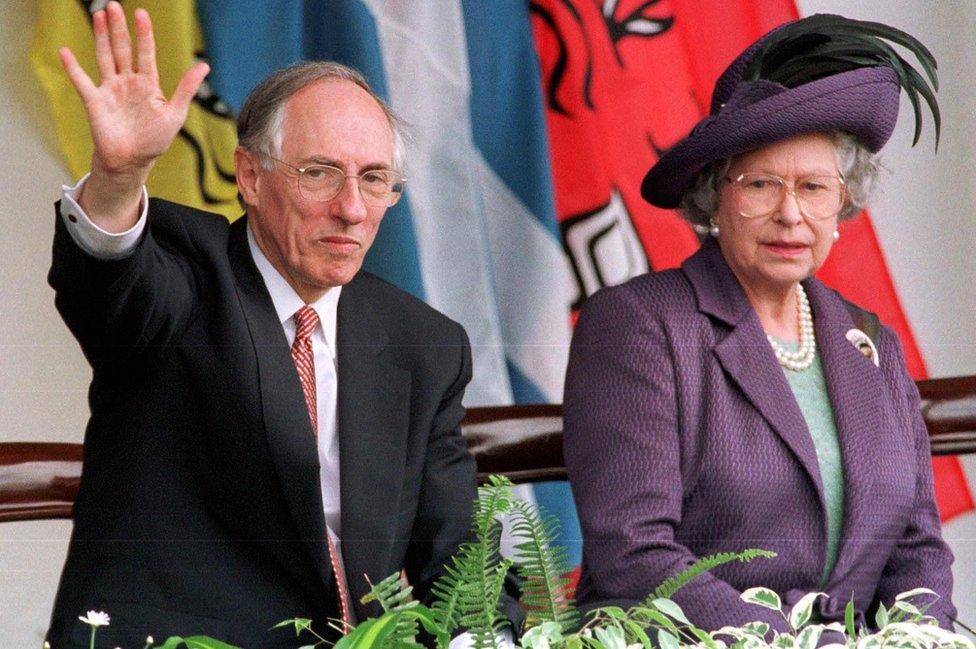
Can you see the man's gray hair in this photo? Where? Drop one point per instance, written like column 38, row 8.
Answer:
column 859, row 167
column 259, row 126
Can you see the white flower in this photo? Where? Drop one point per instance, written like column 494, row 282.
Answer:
column 95, row 618
column 149, row 639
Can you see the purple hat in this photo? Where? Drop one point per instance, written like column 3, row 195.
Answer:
column 822, row 73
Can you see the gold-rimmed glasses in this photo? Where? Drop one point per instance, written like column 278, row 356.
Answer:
column 322, row 182
column 758, row 194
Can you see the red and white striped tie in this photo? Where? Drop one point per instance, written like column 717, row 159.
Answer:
column 306, row 320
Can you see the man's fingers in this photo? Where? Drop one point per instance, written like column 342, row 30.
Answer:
column 103, row 46
column 145, row 45
column 188, row 86
column 76, row 74
column 119, row 34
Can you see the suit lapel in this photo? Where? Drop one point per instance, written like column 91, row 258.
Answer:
column 747, row 357
column 855, row 387
column 373, row 420
column 286, row 422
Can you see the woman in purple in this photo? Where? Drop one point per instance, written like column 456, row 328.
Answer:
column 738, row 402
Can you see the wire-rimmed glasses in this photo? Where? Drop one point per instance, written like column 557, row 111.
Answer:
column 322, row 182
column 758, row 194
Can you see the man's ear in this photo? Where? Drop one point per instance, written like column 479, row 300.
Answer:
column 248, row 166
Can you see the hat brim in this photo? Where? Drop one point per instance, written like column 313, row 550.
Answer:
column 862, row 102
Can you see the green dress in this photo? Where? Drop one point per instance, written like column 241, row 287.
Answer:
column 810, row 390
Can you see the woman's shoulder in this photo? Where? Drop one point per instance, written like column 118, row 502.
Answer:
column 659, row 291
column 653, row 302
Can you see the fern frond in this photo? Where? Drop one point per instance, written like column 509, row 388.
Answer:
column 494, row 500
column 671, row 585
column 468, row 592
column 541, row 564
column 391, row 593
column 394, row 594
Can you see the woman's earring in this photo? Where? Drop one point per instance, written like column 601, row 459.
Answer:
column 836, row 235
column 713, row 228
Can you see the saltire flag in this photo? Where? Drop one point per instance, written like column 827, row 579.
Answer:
column 198, row 169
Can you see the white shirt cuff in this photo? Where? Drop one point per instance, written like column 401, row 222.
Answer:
column 92, row 239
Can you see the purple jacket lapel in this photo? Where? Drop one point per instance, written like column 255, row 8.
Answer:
column 747, row 357
column 855, row 388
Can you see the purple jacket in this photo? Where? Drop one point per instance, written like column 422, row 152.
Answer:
column 683, row 439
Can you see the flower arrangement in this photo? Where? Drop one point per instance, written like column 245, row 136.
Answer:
column 466, row 597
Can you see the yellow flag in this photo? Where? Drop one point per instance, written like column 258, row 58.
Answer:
column 198, row 169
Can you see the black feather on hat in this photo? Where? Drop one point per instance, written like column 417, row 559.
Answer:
column 821, row 73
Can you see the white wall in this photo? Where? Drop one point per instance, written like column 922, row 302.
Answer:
column 924, row 220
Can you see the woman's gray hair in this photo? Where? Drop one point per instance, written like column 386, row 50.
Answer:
column 259, row 126
column 859, row 167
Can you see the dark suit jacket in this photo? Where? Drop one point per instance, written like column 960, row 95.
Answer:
column 199, row 509
column 683, row 439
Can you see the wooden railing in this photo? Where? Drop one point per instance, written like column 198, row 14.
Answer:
column 524, row 443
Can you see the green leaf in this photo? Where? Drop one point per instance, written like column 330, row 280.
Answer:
column 909, row 594
column 370, row 634
column 703, row 636
column 759, row 629
column 802, row 610
column 666, row 641
column 881, row 617
column 639, row 633
column 783, row 641
column 171, row 643
column 541, row 563
column 574, row 642
column 542, row 636
column 612, row 637
column 849, row 619
column 670, row 609
column 809, row 637
column 732, row 631
column 671, row 585
column 300, row 624
column 907, row 608
column 206, row 642
column 612, row 612
column 653, row 615
column 762, row 597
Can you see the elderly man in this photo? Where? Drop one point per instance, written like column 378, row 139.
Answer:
column 266, row 418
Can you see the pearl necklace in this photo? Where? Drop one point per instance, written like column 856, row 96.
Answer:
column 802, row 358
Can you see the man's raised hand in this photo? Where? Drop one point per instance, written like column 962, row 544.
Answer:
column 131, row 121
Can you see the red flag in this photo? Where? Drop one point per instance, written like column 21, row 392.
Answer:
column 626, row 79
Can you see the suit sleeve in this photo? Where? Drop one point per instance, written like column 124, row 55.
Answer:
column 920, row 558
column 121, row 309
column 448, row 493
column 622, row 444
column 443, row 519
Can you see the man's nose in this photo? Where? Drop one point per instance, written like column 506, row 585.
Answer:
column 348, row 204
